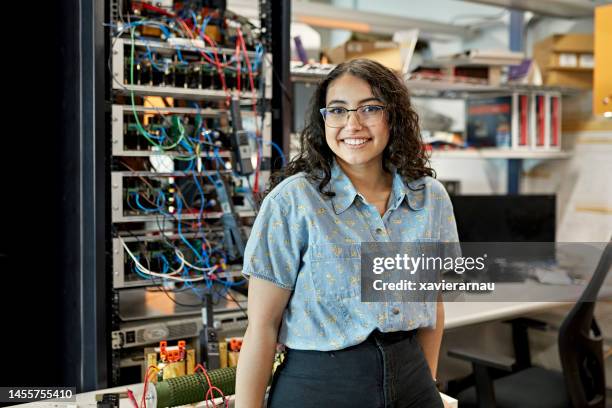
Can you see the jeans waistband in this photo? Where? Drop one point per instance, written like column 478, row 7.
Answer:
column 391, row 337
column 376, row 337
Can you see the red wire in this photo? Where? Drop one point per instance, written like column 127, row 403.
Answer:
column 220, row 67
column 132, row 398
column 146, row 380
column 217, row 63
column 238, row 66
column 248, row 62
column 211, row 388
column 150, row 7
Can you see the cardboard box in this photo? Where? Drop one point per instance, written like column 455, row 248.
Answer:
column 559, row 58
column 551, row 47
column 386, row 52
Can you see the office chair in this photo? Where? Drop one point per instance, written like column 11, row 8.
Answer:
column 582, row 382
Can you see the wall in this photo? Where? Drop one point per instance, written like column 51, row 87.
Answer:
column 477, row 176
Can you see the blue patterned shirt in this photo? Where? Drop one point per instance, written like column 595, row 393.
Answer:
column 310, row 244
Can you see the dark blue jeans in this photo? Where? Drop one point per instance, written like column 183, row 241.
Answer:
column 388, row 370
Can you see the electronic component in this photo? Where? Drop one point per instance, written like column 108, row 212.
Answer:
column 188, row 389
column 232, row 233
column 144, row 131
column 109, row 400
column 159, row 252
column 180, row 202
column 151, row 196
column 165, row 69
column 241, row 146
column 141, row 334
column 145, row 333
column 172, row 362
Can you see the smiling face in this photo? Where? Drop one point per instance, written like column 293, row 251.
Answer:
column 359, row 142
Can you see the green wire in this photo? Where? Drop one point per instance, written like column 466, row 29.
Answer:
column 138, row 124
column 143, row 131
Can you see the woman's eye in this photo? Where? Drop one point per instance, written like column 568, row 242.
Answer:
column 335, row 111
column 371, row 109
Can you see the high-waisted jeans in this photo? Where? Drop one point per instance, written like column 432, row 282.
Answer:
column 387, row 370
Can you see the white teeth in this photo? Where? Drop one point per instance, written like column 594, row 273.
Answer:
column 355, row 142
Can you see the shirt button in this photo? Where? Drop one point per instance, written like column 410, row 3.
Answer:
column 395, row 310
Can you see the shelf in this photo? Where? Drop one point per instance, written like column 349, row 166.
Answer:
column 196, row 45
column 156, row 153
column 235, row 272
column 493, row 153
column 209, row 215
column 424, row 87
column 479, row 58
column 169, row 174
column 570, row 69
column 205, row 113
column 187, row 93
column 430, row 87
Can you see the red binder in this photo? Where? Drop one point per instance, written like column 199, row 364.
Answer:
column 541, row 120
column 555, row 122
column 524, row 124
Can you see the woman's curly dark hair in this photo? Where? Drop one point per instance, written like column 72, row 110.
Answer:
column 404, row 150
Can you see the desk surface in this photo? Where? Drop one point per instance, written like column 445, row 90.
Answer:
column 87, row 400
column 459, row 314
column 479, row 308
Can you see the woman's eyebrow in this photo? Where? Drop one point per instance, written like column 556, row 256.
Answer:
column 371, row 99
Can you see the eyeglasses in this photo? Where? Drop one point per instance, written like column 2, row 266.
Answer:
column 337, row 117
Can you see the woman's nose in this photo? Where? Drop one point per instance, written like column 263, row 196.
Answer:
column 353, row 121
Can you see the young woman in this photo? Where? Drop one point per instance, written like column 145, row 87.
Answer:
column 361, row 176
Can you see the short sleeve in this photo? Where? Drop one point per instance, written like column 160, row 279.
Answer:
column 448, row 227
column 273, row 249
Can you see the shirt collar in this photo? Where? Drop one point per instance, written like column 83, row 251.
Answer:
column 415, row 194
column 346, row 192
column 343, row 187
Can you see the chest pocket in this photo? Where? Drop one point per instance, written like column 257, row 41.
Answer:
column 336, row 270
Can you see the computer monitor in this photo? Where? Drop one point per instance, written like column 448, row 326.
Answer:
column 505, row 218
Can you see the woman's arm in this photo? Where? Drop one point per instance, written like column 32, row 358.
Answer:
column 431, row 339
column 266, row 305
